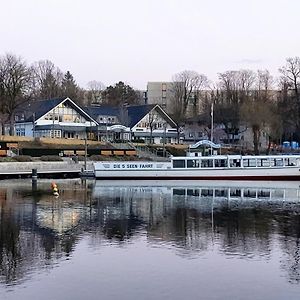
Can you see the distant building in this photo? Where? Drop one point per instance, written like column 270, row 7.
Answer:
column 160, row 93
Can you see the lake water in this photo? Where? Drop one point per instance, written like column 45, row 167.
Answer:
column 149, row 240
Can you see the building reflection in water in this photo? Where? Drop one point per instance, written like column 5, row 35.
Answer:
column 37, row 230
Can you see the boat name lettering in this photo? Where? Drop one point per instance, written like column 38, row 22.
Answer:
column 132, row 166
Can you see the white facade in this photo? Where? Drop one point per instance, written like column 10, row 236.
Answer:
column 156, row 126
column 66, row 120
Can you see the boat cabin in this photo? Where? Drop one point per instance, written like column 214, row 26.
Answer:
column 235, row 161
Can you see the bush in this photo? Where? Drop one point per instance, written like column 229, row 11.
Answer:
column 51, row 158
column 6, row 159
column 22, row 158
column 175, row 151
column 139, row 141
column 81, row 158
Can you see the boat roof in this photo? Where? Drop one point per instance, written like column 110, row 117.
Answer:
column 237, row 157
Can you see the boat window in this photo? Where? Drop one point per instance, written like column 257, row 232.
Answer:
column 220, row 163
column 235, row 163
column 249, row 162
column 277, row 162
column 291, row 161
column 206, row 163
column 221, row 193
column 249, row 193
column 264, row 194
column 180, row 163
column 207, row 192
column 193, row 163
column 193, row 192
column 263, row 162
column 235, row 192
column 180, row 192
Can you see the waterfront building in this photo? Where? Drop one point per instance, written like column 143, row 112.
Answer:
column 152, row 124
column 145, row 123
column 58, row 118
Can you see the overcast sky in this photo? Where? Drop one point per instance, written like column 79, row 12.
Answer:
column 137, row 41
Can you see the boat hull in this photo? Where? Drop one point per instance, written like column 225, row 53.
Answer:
column 167, row 173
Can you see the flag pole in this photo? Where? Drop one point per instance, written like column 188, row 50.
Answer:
column 212, row 126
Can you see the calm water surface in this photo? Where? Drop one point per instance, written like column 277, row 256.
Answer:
column 135, row 240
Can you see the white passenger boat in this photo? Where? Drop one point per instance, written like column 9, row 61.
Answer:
column 193, row 167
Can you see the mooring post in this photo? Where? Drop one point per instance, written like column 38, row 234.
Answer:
column 34, row 179
column 34, row 174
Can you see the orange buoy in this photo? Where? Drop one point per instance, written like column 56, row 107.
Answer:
column 54, row 189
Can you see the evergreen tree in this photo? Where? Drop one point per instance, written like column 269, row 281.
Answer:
column 70, row 88
column 120, row 94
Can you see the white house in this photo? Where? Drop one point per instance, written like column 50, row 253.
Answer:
column 151, row 122
column 135, row 122
column 60, row 118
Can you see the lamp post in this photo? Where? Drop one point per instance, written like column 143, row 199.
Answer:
column 212, row 127
column 164, row 139
column 85, row 149
column 33, row 125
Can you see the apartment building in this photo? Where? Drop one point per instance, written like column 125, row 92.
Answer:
column 160, row 93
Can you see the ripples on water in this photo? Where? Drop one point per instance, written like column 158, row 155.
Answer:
column 149, row 242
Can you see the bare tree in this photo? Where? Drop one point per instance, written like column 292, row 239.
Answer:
column 186, row 89
column 16, row 85
column 234, row 88
column 152, row 123
column 258, row 111
column 289, row 101
column 94, row 92
column 291, row 73
column 48, row 79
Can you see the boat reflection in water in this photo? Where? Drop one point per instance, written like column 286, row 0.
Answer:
column 247, row 220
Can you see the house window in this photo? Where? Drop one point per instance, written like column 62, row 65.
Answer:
column 57, row 133
column 20, row 131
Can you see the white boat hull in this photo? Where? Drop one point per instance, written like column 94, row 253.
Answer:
column 163, row 171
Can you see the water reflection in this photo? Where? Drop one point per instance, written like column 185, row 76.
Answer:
column 249, row 221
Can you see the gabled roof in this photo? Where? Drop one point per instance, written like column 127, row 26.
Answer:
column 96, row 111
column 37, row 109
column 137, row 112
column 134, row 113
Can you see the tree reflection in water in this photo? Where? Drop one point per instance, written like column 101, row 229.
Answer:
column 37, row 229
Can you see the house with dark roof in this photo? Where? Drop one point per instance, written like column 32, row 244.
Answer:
column 63, row 118
column 134, row 122
column 60, row 118
column 151, row 124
